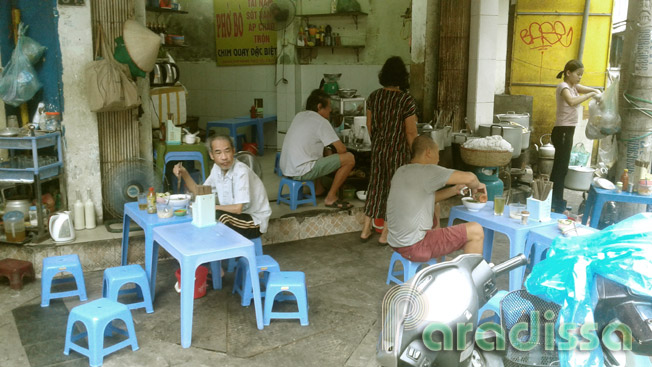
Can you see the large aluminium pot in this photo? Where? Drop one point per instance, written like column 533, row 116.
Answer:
column 579, row 178
column 522, row 119
column 513, row 135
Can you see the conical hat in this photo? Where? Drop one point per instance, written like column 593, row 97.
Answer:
column 142, row 45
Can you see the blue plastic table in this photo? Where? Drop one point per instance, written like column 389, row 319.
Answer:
column 147, row 222
column 243, row 121
column 512, row 228
column 193, row 246
column 598, row 196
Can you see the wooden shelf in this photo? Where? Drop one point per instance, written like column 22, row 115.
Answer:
column 164, row 10
column 353, row 14
column 356, row 48
column 175, row 46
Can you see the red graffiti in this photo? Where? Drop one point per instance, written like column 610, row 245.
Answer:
column 545, row 35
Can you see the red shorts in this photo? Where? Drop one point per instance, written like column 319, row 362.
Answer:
column 437, row 243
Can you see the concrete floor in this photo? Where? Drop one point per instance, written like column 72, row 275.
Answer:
column 346, row 285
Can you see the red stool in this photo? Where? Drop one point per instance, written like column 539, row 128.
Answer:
column 15, row 270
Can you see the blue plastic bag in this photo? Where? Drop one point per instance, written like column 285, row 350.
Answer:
column 621, row 253
column 18, row 82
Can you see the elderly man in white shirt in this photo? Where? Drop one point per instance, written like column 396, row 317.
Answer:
column 243, row 204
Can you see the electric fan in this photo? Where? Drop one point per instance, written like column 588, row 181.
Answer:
column 276, row 16
column 124, row 181
column 250, row 160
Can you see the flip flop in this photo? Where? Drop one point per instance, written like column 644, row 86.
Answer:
column 340, row 204
column 363, row 240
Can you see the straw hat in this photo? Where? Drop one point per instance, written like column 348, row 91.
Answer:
column 142, row 45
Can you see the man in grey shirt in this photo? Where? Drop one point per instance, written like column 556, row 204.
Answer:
column 411, row 216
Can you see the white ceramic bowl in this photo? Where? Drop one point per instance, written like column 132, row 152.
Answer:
column 179, row 201
column 362, row 195
column 472, row 205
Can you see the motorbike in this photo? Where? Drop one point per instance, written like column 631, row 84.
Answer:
column 432, row 320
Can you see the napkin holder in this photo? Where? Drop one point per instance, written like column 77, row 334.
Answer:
column 540, row 210
column 203, row 209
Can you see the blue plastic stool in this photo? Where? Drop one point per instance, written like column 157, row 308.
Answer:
column 286, row 281
column 277, row 163
column 115, row 278
column 97, row 317
column 492, row 305
column 296, row 196
column 55, row 265
column 258, row 245
column 242, row 285
column 185, row 156
column 409, row 268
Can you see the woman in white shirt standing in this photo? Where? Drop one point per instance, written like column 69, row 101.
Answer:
column 569, row 94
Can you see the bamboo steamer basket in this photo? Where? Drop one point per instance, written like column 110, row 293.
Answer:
column 485, row 158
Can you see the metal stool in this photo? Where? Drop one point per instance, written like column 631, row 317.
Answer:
column 97, row 317
column 58, row 264
column 15, row 270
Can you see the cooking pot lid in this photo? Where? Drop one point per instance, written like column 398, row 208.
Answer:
column 9, row 131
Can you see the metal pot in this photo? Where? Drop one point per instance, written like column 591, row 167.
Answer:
column 522, row 119
column 579, row 178
column 545, row 151
column 513, row 135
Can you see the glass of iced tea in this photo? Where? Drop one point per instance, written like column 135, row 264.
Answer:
column 499, row 204
column 142, row 201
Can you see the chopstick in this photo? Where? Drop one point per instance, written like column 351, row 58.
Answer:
column 541, row 187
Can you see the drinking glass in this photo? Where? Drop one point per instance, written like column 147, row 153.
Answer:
column 142, row 201
column 499, row 204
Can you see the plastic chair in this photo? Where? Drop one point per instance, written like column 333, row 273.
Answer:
column 115, row 278
column 58, row 264
column 185, row 156
column 277, row 167
column 296, row 196
column 286, row 281
column 97, row 317
column 409, row 268
column 258, row 246
column 242, row 284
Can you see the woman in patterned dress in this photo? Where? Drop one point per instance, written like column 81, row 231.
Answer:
column 392, row 125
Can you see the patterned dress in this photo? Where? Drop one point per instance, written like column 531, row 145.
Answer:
column 389, row 146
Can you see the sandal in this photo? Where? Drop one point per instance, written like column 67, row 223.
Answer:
column 340, row 204
column 365, row 239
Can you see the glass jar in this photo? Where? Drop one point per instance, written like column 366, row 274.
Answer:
column 33, row 217
column 52, row 121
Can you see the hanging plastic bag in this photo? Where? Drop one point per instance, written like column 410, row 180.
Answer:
column 579, row 155
column 603, row 114
column 18, row 83
column 32, row 49
column 608, row 151
column 620, row 253
column 345, row 6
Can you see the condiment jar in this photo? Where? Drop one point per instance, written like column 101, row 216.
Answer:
column 52, row 121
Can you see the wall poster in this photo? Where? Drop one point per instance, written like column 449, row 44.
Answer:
column 241, row 37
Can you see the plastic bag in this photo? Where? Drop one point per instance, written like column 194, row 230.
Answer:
column 621, row 253
column 579, row 156
column 18, row 83
column 603, row 115
column 32, row 49
column 608, row 151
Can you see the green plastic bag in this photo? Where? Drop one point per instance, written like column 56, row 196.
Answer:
column 579, row 155
column 347, row 6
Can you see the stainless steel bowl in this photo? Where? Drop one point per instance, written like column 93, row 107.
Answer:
column 347, row 93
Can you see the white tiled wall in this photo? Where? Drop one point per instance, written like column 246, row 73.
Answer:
column 216, row 93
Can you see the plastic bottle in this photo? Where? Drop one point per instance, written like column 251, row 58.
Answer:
column 333, row 6
column 625, row 179
column 79, row 213
column 89, row 211
column 151, row 201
